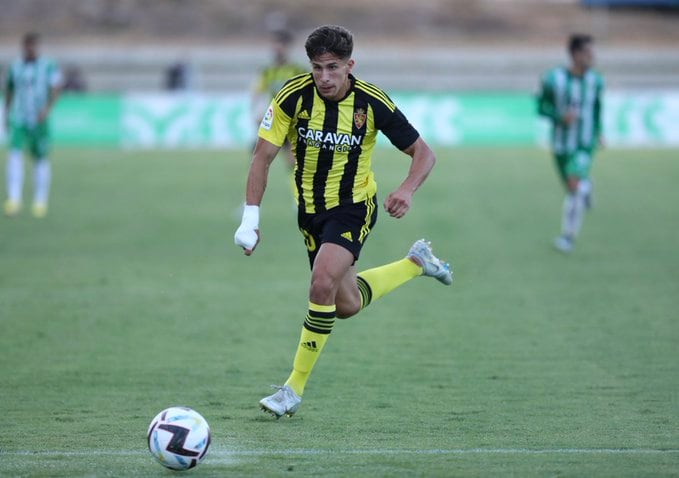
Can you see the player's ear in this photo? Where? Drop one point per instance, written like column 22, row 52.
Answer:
column 351, row 64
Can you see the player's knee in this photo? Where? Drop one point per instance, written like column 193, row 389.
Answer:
column 573, row 184
column 323, row 288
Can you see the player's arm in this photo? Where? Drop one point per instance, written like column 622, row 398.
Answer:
column 272, row 134
column 398, row 202
column 264, row 154
column 395, row 126
column 598, row 114
column 546, row 103
column 247, row 234
column 54, row 93
column 9, row 94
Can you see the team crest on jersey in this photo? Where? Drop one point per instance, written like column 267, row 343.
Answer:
column 359, row 118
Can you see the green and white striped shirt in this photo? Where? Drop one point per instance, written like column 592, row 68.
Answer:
column 563, row 91
column 30, row 83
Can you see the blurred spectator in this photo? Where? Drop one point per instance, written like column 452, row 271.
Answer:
column 74, row 80
column 179, row 76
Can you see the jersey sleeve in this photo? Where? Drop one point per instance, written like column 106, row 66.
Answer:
column 9, row 80
column 598, row 109
column 275, row 125
column 55, row 77
column 546, row 104
column 398, row 129
column 393, row 123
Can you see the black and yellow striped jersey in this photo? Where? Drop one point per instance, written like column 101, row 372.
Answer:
column 333, row 141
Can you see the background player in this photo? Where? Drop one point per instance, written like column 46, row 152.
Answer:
column 272, row 78
column 571, row 98
column 332, row 120
column 32, row 88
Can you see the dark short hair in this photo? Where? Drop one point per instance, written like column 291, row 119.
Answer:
column 578, row 41
column 31, row 37
column 329, row 39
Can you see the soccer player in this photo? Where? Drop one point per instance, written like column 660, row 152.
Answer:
column 571, row 98
column 32, row 88
column 272, row 78
column 331, row 119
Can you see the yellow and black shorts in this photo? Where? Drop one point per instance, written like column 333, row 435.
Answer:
column 346, row 225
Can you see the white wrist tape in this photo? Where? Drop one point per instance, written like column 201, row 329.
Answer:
column 250, row 217
column 246, row 234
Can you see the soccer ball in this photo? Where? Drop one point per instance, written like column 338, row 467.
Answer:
column 179, row 438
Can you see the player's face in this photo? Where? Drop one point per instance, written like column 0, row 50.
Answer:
column 331, row 75
column 30, row 50
column 584, row 57
column 280, row 51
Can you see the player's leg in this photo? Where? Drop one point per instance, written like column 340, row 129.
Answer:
column 357, row 291
column 42, row 170
column 564, row 242
column 15, row 171
column 15, row 180
column 571, row 216
column 576, row 171
column 420, row 260
column 587, row 188
column 330, row 267
column 348, row 299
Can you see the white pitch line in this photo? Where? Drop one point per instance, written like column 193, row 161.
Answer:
column 455, row 451
column 391, row 451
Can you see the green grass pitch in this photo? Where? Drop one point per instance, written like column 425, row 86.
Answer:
column 131, row 297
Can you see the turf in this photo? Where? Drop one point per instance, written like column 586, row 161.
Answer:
column 130, row 297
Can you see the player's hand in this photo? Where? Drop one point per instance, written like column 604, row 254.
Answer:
column 570, row 117
column 398, row 203
column 42, row 116
column 246, row 238
column 247, row 234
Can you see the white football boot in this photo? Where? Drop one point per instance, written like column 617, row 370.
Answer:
column 432, row 266
column 284, row 402
column 563, row 244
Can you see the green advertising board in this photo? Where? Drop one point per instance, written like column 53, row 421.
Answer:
column 161, row 120
column 87, row 120
column 471, row 119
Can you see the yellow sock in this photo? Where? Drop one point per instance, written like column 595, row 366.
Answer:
column 377, row 282
column 317, row 327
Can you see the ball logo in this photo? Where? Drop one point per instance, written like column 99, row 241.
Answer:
column 178, row 439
